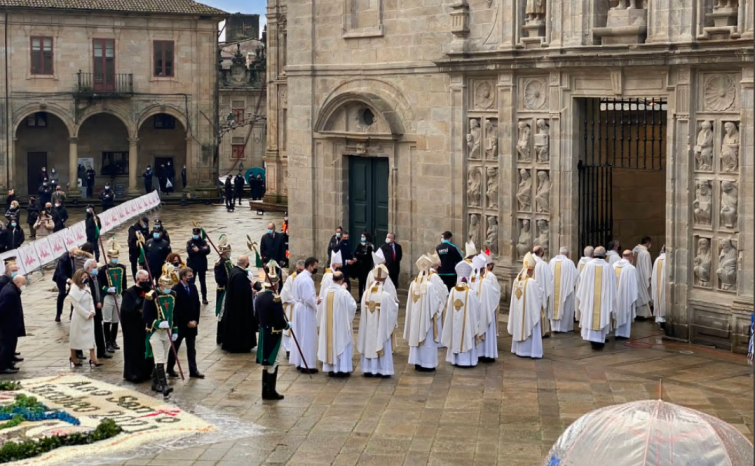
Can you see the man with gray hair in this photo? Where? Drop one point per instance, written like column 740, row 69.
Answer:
column 136, row 368
column 561, row 307
column 289, row 301
column 11, row 323
column 612, row 255
column 95, row 287
column 596, row 299
column 544, row 278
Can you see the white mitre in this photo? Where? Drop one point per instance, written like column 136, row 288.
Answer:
column 478, row 262
column 463, row 270
column 378, row 257
column 470, row 249
column 335, row 258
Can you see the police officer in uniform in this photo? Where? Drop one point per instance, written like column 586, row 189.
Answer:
column 198, row 250
column 449, row 256
column 222, row 270
column 159, row 306
column 156, row 250
column 269, row 310
column 159, row 224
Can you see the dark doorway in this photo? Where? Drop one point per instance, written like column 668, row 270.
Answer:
column 35, row 162
column 368, row 197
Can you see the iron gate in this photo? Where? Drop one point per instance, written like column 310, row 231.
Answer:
column 618, row 133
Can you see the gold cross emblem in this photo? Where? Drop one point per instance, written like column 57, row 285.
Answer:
column 415, row 297
column 458, row 304
column 518, row 292
column 374, row 289
column 372, row 305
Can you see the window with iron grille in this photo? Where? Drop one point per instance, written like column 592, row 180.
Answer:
column 163, row 121
column 163, row 58
column 37, row 120
column 41, row 55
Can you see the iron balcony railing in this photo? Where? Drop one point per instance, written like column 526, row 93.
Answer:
column 105, row 83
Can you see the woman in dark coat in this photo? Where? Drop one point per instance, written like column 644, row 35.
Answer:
column 229, row 204
column 15, row 234
column 363, row 255
column 32, row 214
column 239, row 323
column 136, row 367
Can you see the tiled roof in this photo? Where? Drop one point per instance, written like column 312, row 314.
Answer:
column 141, row 6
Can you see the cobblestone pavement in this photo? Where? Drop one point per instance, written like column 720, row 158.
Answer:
column 509, row 412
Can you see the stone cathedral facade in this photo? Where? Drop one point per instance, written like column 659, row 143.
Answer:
column 524, row 122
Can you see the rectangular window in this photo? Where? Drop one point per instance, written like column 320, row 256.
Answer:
column 41, row 55
column 37, row 120
column 237, row 108
column 104, row 64
column 163, row 58
column 114, row 164
column 237, row 151
column 164, row 121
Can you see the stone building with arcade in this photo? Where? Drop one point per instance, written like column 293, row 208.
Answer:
column 525, row 122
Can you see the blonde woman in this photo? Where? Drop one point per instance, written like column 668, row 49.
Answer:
column 44, row 224
column 82, row 321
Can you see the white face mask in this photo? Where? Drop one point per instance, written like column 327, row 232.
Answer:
column 388, row 240
column 23, row 288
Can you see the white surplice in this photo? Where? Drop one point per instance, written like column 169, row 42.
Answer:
column 598, row 280
column 443, row 290
column 335, row 313
column 377, row 321
column 544, row 277
column 287, row 298
column 327, row 280
column 524, row 317
column 613, row 257
column 658, row 286
column 626, row 297
column 561, row 306
column 460, row 327
column 421, row 330
column 644, row 266
column 487, row 327
column 388, row 285
column 304, row 322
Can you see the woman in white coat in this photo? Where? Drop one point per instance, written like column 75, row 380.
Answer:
column 82, row 320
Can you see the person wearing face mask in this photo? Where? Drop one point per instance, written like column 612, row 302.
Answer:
column 59, row 217
column 32, row 214
column 45, row 193
column 334, row 240
column 43, row 177
column 198, row 250
column 147, row 175
column 175, row 260
column 161, row 177
column 54, row 178
column 93, row 226
column 159, row 224
column 13, row 211
column 90, row 175
column 273, row 323
column 170, row 173
column 10, row 198
column 186, row 317
column 113, row 279
column 11, row 323
column 239, row 323
column 158, row 317
column 393, row 255
column 98, row 295
column 141, row 226
column 83, row 330
column 11, row 272
column 287, row 297
column 15, row 234
column 156, row 250
column 62, row 277
column 304, row 321
column 59, row 197
column 136, row 368
column 272, row 247
column 107, row 197
column 364, row 263
column 44, row 225
column 223, row 268
column 238, row 188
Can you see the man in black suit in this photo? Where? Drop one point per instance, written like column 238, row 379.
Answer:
column 186, row 318
column 393, row 255
column 273, row 247
column 11, row 323
column 62, row 277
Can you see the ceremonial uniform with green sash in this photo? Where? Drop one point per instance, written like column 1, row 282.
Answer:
column 159, row 307
column 269, row 310
column 223, row 269
column 112, row 278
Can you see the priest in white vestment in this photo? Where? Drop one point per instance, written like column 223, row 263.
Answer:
column 437, row 280
column 587, row 257
column 564, row 286
column 525, row 311
column 644, row 265
column 658, row 288
column 335, row 313
column 490, row 298
column 287, row 297
column 596, row 299
column 304, row 321
column 544, row 277
column 462, row 320
column 377, row 321
column 626, row 295
column 612, row 256
column 423, row 311
column 470, row 252
column 378, row 258
column 336, row 262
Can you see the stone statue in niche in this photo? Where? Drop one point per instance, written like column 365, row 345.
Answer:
column 473, row 139
column 524, row 193
column 703, row 202
column 492, row 191
column 523, row 145
column 491, row 238
column 474, row 229
column 483, row 96
column 727, row 266
column 491, row 140
column 730, row 148
column 729, row 201
column 543, row 236
column 704, row 147
column 622, row 5
column 474, row 186
column 535, row 10
column 542, row 141
column 523, row 243
column 702, row 263
column 542, row 196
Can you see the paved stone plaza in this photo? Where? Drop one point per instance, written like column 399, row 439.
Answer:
column 509, row 412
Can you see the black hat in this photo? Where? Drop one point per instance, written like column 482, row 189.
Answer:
column 197, row 231
column 158, row 221
column 90, row 206
column 156, row 229
column 145, row 219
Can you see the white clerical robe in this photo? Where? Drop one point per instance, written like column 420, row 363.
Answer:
column 644, row 267
column 387, row 285
column 525, row 316
column 561, row 307
column 304, row 322
column 487, row 327
column 443, row 290
column 596, row 300
column 580, row 267
column 287, row 297
column 327, row 280
column 626, row 297
column 658, row 285
column 376, row 324
column 613, row 257
column 460, row 327
column 421, row 331
column 335, row 314
column 544, row 277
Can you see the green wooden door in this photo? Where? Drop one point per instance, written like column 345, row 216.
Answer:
column 368, row 197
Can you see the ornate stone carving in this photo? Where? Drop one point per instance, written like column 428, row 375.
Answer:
column 729, row 201
column 524, row 193
column 523, row 144
column 624, row 24
column 474, row 187
column 730, row 148
column 534, row 94
column 492, row 191
column 704, row 147
column 525, row 238
column 727, row 266
column 543, row 236
column 473, row 139
column 484, row 96
column 719, row 93
column 542, row 141
column 474, row 229
column 703, row 203
column 491, row 140
column 724, row 16
column 702, row 263
column 535, row 10
column 542, row 197
column 491, row 238
column 622, row 5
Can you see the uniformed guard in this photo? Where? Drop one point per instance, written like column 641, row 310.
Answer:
column 156, row 251
column 159, row 225
column 113, row 280
column 222, row 271
column 197, row 250
column 159, row 306
column 269, row 309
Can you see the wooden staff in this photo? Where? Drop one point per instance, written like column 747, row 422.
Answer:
column 115, row 298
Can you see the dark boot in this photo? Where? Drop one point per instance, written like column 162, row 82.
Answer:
column 114, row 336
column 155, row 383
column 265, row 384
column 272, row 380
column 162, row 380
column 106, row 332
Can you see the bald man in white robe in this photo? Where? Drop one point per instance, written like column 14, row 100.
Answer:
column 644, row 265
column 564, row 286
column 335, row 314
column 490, row 298
column 626, row 295
column 527, row 300
column 544, row 277
column 596, row 299
column 423, row 311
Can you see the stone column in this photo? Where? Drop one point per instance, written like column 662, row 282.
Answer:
column 73, row 167
column 188, row 161
column 133, row 154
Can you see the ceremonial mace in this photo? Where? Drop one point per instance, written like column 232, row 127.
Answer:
column 140, row 242
column 115, row 299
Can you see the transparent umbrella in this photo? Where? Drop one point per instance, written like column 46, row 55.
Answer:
column 650, row 433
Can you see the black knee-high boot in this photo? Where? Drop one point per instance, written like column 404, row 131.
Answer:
column 106, row 332
column 114, row 336
column 268, row 389
column 162, row 380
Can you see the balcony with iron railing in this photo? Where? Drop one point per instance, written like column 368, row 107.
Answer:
column 104, row 84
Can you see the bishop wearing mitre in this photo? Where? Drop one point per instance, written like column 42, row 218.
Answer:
column 336, row 262
column 564, row 285
column 489, row 292
column 596, row 299
column 378, row 259
column 545, row 279
column 377, row 321
column 627, row 294
column 658, row 288
column 462, row 320
column 335, row 314
column 437, row 280
column 644, row 266
column 527, row 300
column 423, row 311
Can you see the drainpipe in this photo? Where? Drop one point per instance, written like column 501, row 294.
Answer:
column 7, row 107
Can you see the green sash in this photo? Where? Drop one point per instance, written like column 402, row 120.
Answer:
column 115, row 279
column 166, row 304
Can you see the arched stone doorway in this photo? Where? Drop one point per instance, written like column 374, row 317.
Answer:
column 103, row 141
column 162, row 139
column 41, row 140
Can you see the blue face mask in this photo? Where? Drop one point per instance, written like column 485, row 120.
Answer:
column 166, row 290
column 13, row 275
column 364, row 240
column 14, row 224
column 113, row 260
column 269, row 232
column 94, row 270
column 195, row 236
column 156, row 235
